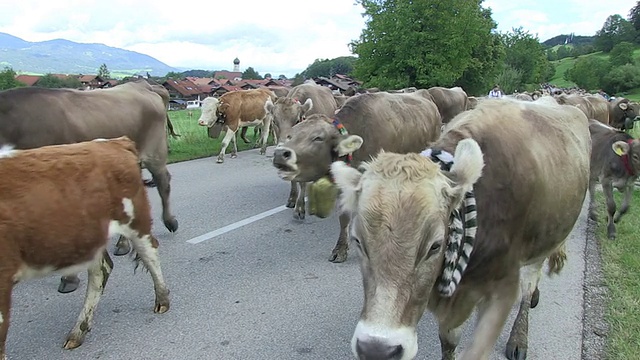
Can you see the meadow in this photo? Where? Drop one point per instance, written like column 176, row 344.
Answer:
column 621, row 266
column 194, row 142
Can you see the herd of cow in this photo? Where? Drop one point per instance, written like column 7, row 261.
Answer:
column 453, row 203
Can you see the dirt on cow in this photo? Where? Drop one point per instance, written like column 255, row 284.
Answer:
column 620, row 269
column 194, row 143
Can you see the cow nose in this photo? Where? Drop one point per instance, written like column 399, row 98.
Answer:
column 378, row 350
column 282, row 154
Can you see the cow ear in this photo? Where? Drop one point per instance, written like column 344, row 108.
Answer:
column 623, row 105
column 268, row 105
column 620, row 148
column 348, row 181
column 467, row 166
column 349, row 144
column 307, row 106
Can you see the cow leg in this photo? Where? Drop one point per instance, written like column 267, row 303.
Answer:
column 266, row 129
column 450, row 326
column 293, row 195
column 99, row 273
column 162, row 178
column 518, row 342
column 146, row 247
column 300, row 210
column 257, row 135
column 449, row 340
column 607, row 188
column 229, row 134
column 593, row 211
column 492, row 314
column 122, row 246
column 624, row 207
column 6, row 287
column 234, row 152
column 339, row 253
column 243, row 135
column 68, row 284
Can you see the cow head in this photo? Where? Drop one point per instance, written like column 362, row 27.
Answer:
column 209, row 114
column 286, row 112
column 400, row 205
column 307, row 152
column 623, row 114
column 629, row 151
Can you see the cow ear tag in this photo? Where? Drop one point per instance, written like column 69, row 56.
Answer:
column 618, row 150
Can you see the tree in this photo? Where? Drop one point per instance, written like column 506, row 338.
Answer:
column 267, row 76
column 622, row 78
column 8, row 79
column 616, row 29
column 422, row 43
column 634, row 16
column 103, row 72
column 621, row 54
column 588, row 72
column 297, row 80
column 282, row 77
column 524, row 52
column 52, row 81
column 251, row 74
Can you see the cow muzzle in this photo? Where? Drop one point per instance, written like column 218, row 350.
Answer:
column 378, row 342
column 285, row 160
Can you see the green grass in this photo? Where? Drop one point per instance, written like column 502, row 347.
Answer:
column 194, row 142
column 621, row 265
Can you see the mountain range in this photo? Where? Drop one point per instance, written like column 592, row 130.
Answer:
column 61, row 56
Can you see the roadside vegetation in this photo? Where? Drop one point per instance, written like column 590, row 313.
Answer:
column 621, row 265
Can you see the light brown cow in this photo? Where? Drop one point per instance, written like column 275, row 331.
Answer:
column 450, row 101
column 237, row 109
column 303, row 100
column 59, row 206
column 498, row 165
column 394, row 122
column 615, row 161
column 594, row 107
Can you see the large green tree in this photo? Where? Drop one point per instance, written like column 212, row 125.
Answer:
column 251, row 74
column 8, row 79
column 104, row 72
column 422, row 43
column 523, row 52
column 329, row 67
column 615, row 29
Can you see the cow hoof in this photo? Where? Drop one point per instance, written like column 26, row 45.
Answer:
column 338, row 256
column 291, row 203
column 263, row 152
column 220, row 160
column 171, row 224
column 161, row 308
column 515, row 352
column 298, row 215
column 246, row 141
column 535, row 298
column 68, row 284
column 149, row 183
column 233, row 156
column 72, row 343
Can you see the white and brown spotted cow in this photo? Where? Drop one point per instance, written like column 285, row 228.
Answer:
column 237, row 109
column 467, row 223
column 58, row 207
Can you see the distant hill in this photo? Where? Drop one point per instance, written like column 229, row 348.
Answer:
column 569, row 39
column 68, row 57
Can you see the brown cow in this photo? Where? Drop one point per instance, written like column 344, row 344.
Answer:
column 60, row 205
column 393, row 122
column 623, row 113
column 592, row 107
column 237, row 109
column 450, row 102
column 615, row 161
column 32, row 117
column 303, row 100
column 485, row 194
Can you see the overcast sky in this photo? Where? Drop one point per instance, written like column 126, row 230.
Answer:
column 277, row 37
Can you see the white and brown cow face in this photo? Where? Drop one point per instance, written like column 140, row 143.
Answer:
column 400, row 206
column 209, row 114
column 311, row 146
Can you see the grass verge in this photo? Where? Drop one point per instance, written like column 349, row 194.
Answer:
column 194, row 143
column 621, row 267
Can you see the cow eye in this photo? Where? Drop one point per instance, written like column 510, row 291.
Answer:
column 434, row 248
column 355, row 240
column 317, row 138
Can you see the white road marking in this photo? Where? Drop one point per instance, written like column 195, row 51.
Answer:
column 236, row 225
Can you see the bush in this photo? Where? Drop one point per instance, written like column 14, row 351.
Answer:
column 622, row 78
column 621, row 54
column 588, row 72
column 510, row 79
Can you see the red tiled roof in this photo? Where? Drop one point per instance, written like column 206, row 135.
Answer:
column 28, row 80
column 229, row 75
column 184, row 87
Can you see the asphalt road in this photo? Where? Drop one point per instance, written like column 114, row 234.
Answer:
column 262, row 290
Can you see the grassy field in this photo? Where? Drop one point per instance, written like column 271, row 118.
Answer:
column 621, row 266
column 567, row 63
column 194, row 142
